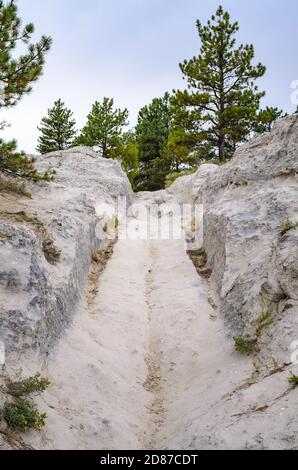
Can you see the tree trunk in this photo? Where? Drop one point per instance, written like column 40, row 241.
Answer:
column 222, row 149
column 104, row 148
column 221, row 143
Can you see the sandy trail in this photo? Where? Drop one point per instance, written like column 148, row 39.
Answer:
column 142, row 361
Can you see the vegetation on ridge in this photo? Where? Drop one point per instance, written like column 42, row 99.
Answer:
column 175, row 133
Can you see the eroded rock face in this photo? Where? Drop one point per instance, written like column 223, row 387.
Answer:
column 46, row 245
column 247, row 202
column 250, row 237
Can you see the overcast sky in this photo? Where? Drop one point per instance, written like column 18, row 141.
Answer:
column 130, row 50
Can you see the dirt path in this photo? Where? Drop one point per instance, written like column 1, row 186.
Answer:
column 143, row 359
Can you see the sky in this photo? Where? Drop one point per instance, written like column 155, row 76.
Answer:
column 130, row 50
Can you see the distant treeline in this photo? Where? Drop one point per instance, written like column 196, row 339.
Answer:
column 219, row 109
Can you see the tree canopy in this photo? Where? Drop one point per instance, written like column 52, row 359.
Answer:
column 265, row 119
column 152, row 131
column 219, row 109
column 14, row 163
column 17, row 73
column 104, row 128
column 220, row 104
column 57, row 129
column 129, row 156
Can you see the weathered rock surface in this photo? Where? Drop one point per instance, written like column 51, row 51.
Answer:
column 251, row 240
column 151, row 310
column 46, row 245
column 247, row 203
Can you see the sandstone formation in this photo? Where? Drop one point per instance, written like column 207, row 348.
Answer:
column 141, row 349
column 251, row 233
column 46, row 245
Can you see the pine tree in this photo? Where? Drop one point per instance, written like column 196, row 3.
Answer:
column 179, row 151
column 14, row 163
column 57, row 129
column 153, row 130
column 266, row 118
column 17, row 73
column 104, row 128
column 220, row 104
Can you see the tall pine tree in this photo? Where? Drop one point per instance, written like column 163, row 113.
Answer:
column 17, row 73
column 222, row 99
column 57, row 129
column 104, row 128
column 153, row 130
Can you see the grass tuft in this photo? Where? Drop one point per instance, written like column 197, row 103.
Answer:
column 293, row 380
column 51, row 252
column 14, row 186
column 245, row 344
column 171, row 177
column 3, row 235
column 264, row 320
column 286, row 227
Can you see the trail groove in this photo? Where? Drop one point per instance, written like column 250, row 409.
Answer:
column 143, row 360
column 154, row 382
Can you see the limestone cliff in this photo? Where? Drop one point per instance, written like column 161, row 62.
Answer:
column 141, row 351
column 46, row 245
column 251, row 234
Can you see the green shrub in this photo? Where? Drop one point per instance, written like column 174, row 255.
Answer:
column 23, row 415
column 34, row 384
column 245, row 344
